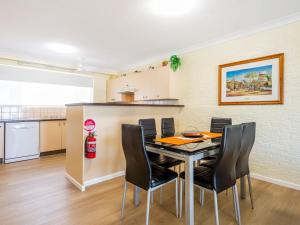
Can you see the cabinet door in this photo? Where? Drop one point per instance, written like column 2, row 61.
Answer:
column 1, row 140
column 112, row 90
column 160, row 84
column 63, row 135
column 50, row 136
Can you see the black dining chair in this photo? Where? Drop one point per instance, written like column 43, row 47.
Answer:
column 149, row 127
column 139, row 171
column 223, row 175
column 242, row 165
column 167, row 127
column 217, row 125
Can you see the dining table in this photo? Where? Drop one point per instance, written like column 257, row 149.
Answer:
column 189, row 153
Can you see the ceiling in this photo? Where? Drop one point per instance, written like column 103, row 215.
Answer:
column 115, row 35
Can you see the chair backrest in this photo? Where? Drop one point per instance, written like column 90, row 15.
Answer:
column 248, row 138
column 217, row 125
column 224, row 175
column 167, row 127
column 149, row 128
column 138, row 170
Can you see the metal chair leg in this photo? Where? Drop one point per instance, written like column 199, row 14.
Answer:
column 176, row 192
column 216, row 207
column 124, row 199
column 148, row 206
column 152, row 197
column 180, row 199
column 237, row 204
column 234, row 204
column 250, row 190
column 202, row 197
column 161, row 195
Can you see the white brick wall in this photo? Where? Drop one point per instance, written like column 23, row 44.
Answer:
column 276, row 152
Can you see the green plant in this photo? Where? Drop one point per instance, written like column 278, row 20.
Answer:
column 175, row 62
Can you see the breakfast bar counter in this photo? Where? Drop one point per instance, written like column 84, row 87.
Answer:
column 108, row 117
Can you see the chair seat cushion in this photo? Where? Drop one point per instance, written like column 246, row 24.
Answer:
column 161, row 175
column 203, row 176
column 163, row 161
column 208, row 162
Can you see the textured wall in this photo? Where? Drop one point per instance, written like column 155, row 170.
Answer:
column 276, row 153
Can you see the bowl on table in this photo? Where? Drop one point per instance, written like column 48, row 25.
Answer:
column 192, row 134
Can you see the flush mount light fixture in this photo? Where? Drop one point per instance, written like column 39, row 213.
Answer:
column 61, row 48
column 171, row 7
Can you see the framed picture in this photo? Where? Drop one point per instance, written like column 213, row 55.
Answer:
column 252, row 82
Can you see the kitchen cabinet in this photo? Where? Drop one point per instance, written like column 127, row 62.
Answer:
column 1, row 141
column 158, row 84
column 63, row 135
column 52, row 135
column 112, row 90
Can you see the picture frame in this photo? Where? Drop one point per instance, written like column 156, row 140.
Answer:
column 257, row 81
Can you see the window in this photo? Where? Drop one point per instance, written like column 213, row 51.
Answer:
column 26, row 93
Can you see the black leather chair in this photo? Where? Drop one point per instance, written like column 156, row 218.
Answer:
column 150, row 133
column 223, row 175
column 216, row 126
column 167, row 127
column 242, row 165
column 139, row 171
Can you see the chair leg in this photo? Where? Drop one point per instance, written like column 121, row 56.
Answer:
column 124, row 199
column 161, row 195
column 237, row 204
column 148, row 206
column 250, row 190
column 152, row 197
column 216, row 207
column 180, row 199
column 202, row 197
column 176, row 193
column 234, row 204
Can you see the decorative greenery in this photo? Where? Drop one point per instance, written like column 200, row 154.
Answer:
column 175, row 62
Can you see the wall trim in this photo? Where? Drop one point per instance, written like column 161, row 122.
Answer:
column 225, row 38
column 104, row 178
column 276, row 181
column 75, row 182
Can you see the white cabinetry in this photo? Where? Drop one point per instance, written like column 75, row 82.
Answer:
column 158, row 84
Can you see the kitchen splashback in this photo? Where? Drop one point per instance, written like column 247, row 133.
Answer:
column 31, row 112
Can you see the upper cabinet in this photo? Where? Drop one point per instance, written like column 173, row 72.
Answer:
column 158, row 84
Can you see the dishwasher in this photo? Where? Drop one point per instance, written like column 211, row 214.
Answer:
column 21, row 141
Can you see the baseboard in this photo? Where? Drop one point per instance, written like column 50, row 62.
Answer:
column 53, row 152
column 75, row 182
column 104, row 178
column 276, row 181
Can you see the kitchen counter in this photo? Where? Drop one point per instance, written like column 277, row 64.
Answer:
column 30, row 120
column 124, row 104
column 108, row 118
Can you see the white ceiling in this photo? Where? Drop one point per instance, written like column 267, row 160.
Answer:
column 114, row 35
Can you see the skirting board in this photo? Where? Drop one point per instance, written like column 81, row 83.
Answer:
column 75, row 182
column 104, row 178
column 276, row 181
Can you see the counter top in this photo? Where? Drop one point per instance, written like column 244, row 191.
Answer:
column 30, row 120
column 123, row 104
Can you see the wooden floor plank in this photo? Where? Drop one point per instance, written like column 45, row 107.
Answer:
column 36, row 193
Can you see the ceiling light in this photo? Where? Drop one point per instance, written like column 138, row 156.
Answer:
column 61, row 48
column 171, row 7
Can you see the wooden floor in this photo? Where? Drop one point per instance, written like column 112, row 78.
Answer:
column 37, row 193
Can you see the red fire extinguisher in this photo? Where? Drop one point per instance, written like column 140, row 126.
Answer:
column 90, row 146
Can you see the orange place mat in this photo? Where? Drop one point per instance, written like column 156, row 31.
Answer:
column 179, row 140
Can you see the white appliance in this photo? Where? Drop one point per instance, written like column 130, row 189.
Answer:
column 21, row 141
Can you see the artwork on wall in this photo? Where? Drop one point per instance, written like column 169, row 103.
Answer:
column 252, row 82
